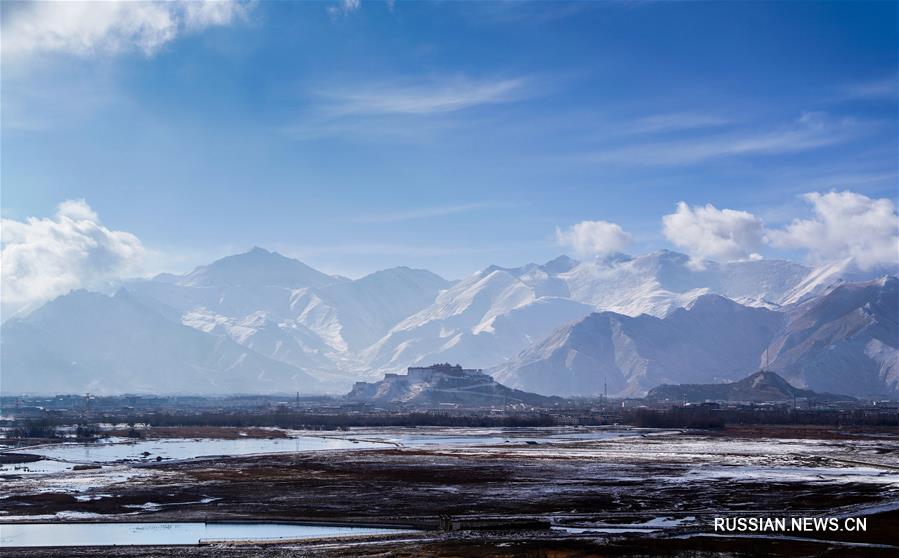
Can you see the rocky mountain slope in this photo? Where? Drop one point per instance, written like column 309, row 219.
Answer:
column 846, row 341
column 714, row 339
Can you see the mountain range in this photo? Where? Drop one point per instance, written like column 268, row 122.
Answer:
column 845, row 341
column 263, row 322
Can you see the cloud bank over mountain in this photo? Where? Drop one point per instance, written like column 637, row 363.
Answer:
column 709, row 232
column 843, row 225
column 591, row 238
column 44, row 258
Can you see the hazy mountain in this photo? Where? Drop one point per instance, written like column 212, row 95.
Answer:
column 370, row 306
column 714, row 339
column 846, row 341
column 89, row 342
column 763, row 386
column 292, row 313
column 443, row 384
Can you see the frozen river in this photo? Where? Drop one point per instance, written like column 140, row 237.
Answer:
column 109, row 534
column 124, row 449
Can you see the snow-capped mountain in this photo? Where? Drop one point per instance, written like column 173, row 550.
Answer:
column 340, row 330
column 490, row 316
column 90, row 342
column 845, row 341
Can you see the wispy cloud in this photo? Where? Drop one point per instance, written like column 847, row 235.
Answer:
column 344, row 7
column 677, row 121
column 427, row 97
column 423, row 213
column 404, row 109
column 886, row 88
column 811, row 131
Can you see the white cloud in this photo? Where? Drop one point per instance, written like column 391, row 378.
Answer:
column 812, row 130
column 709, row 232
column 44, row 258
column 113, row 27
column 590, row 238
column 845, row 224
column 430, row 97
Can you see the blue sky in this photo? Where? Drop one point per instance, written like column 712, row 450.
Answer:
column 448, row 135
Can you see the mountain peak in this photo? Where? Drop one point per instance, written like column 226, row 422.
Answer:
column 613, row 258
column 257, row 267
column 712, row 301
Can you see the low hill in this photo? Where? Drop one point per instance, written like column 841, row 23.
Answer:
column 763, row 386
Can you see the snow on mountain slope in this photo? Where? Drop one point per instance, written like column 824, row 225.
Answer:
column 846, row 341
column 825, row 277
column 370, row 306
column 463, row 323
column 484, row 318
column 712, row 340
column 296, row 346
column 291, row 312
column 658, row 282
column 92, row 342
